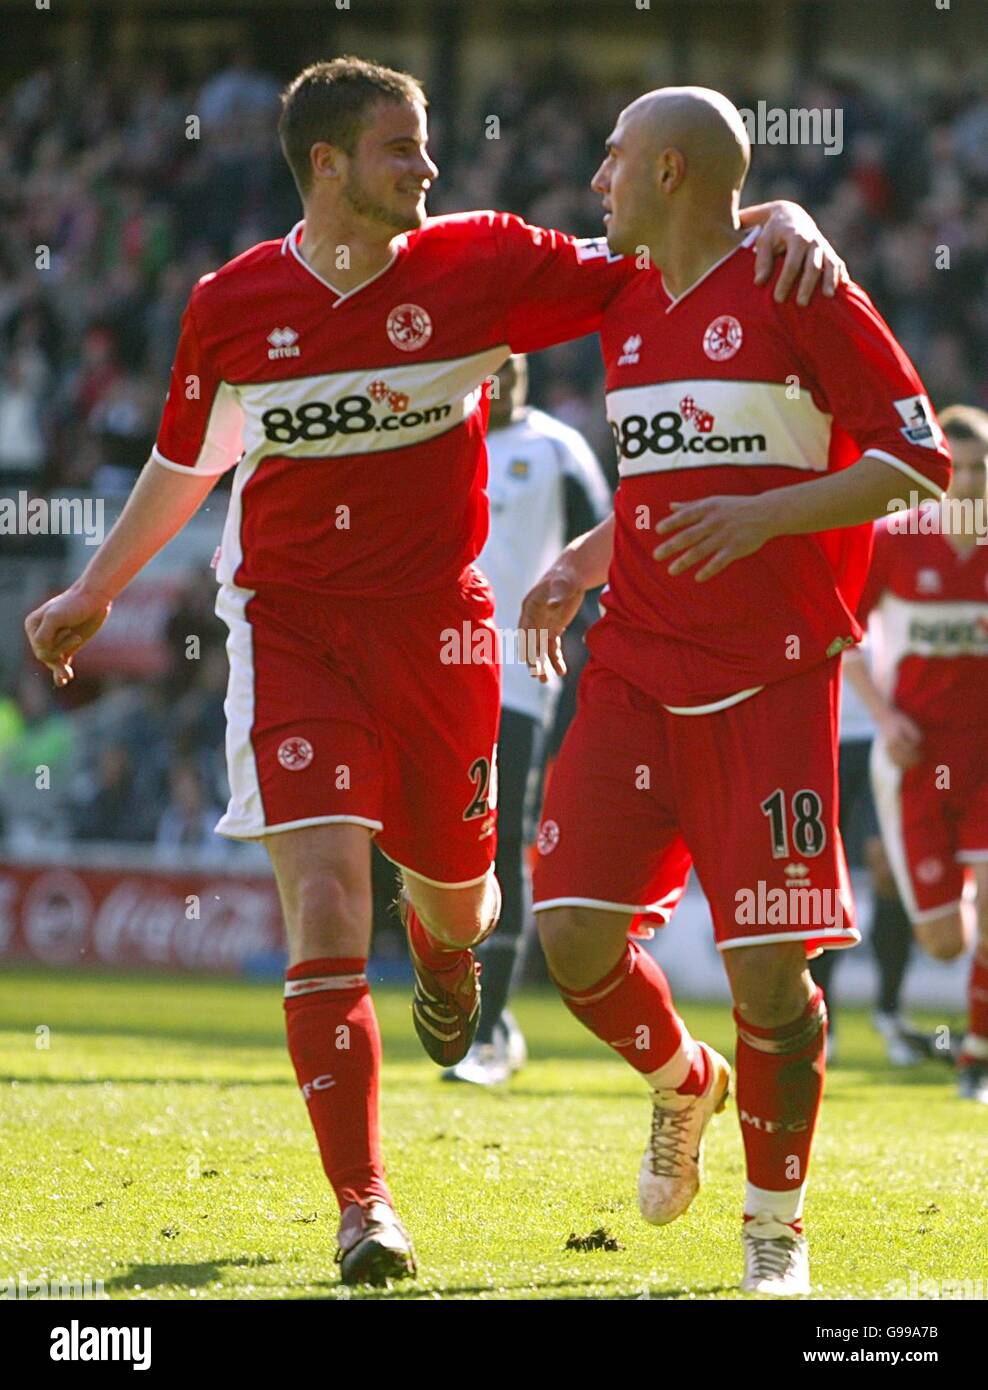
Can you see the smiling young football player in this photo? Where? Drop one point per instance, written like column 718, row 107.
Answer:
column 339, row 370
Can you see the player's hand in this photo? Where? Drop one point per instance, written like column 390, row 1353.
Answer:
column 546, row 612
column 809, row 257
column 61, row 626
column 902, row 737
column 717, row 530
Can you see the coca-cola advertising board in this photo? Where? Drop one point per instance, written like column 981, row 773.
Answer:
column 177, row 919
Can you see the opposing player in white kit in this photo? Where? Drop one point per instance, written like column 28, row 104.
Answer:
column 546, row 487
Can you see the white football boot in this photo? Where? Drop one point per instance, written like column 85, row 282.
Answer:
column 491, row 1064
column 972, row 1082
column 486, row 1064
column 672, row 1165
column 776, row 1260
column 373, row 1245
column 517, row 1049
column 902, row 1043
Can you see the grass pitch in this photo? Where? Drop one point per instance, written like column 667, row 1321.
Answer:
column 158, row 1142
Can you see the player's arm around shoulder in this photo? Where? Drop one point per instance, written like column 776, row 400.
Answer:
column 809, row 261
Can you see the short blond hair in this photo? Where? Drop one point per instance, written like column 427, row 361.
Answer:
column 965, row 423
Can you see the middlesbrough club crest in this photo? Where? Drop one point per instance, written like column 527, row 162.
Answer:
column 409, row 327
column 548, row 837
column 723, row 338
column 295, row 754
column 929, row 871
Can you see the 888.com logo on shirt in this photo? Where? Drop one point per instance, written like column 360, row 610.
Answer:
column 384, row 409
column 688, row 430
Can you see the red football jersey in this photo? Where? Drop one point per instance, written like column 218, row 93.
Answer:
column 724, row 391
column 357, row 420
column 928, row 604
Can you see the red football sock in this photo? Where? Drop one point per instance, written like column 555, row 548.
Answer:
column 631, row 1010
column 434, row 954
column 779, row 1086
column 335, row 1048
column 975, row 1045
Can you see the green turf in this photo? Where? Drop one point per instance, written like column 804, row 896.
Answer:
column 159, row 1144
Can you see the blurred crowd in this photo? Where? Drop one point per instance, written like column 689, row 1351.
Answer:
column 118, row 192
column 141, row 763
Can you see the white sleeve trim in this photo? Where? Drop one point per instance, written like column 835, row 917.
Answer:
column 932, row 488
column 167, row 463
column 193, row 472
column 222, row 439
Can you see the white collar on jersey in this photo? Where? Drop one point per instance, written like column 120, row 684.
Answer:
column 290, row 246
column 748, row 241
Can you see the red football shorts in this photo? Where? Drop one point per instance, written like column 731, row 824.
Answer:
column 748, row 795
column 379, row 712
column 934, row 818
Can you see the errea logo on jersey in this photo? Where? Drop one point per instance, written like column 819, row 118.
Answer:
column 283, row 342
column 630, row 351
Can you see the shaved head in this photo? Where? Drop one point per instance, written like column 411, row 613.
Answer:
column 675, row 153
column 702, row 125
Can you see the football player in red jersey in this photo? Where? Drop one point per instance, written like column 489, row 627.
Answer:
column 927, row 594
column 759, row 441
column 340, row 370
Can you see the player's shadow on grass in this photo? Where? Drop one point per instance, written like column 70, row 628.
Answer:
column 223, row 1084
column 857, row 1076
column 404, row 1293
column 141, row 1278
column 397, row 1048
column 273, row 1037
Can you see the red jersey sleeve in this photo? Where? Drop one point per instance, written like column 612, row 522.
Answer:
column 554, row 287
column 861, row 376
column 877, row 580
column 201, row 426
